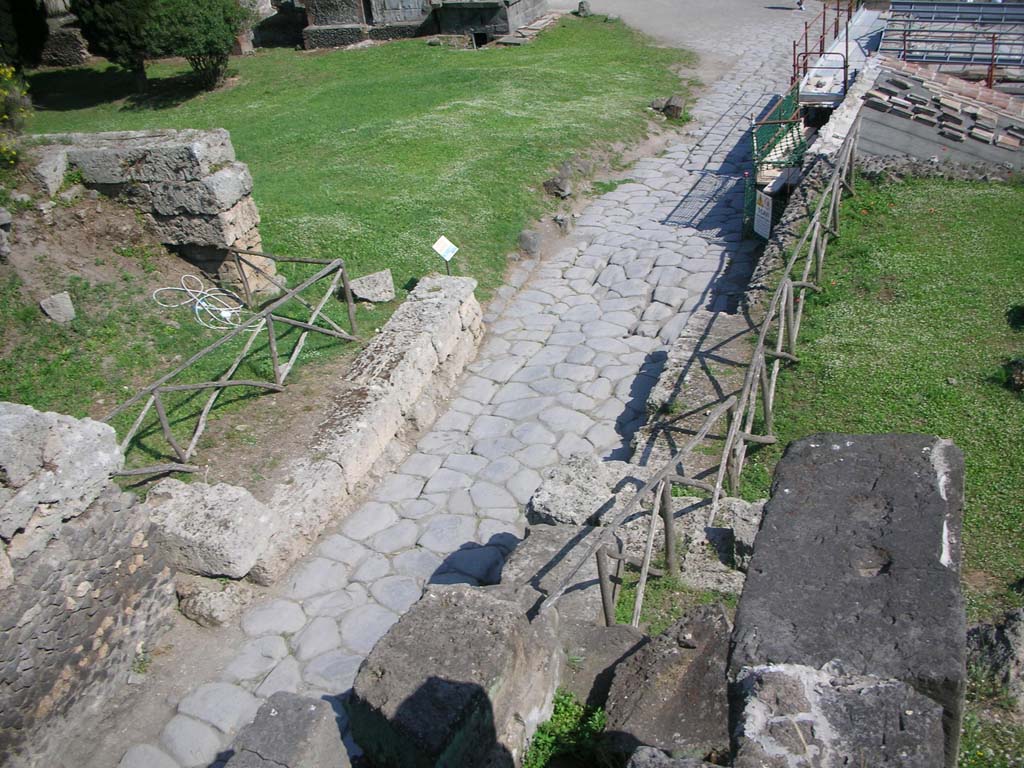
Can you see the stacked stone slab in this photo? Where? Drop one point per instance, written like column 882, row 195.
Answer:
column 857, row 567
column 64, row 46
column 335, row 23
column 491, row 17
column 195, row 193
column 82, row 589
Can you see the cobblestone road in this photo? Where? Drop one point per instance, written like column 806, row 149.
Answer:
column 573, row 345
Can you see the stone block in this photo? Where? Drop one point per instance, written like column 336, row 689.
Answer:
column 147, row 156
column 54, row 467
column 798, row 717
column 545, row 558
column 593, row 651
column 327, row 12
column 332, row 35
column 49, row 164
column 576, row 492
column 58, row 308
column 461, row 679
column 672, row 693
column 290, row 732
column 210, row 603
column 209, row 530
column 858, row 559
column 999, row 648
column 216, row 193
column 220, row 230
column 378, row 287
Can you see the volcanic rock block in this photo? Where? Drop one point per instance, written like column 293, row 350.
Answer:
column 52, row 467
column 797, row 717
column 858, row 559
column 671, row 694
column 209, row 530
column 463, row 679
column 148, row 156
column 324, row 12
column 593, row 652
column 290, row 732
column 377, row 287
column 1000, row 648
column 219, row 230
column 576, row 492
column 49, row 164
column 648, row 757
column 213, row 194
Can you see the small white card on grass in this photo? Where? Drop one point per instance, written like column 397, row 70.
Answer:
column 445, row 248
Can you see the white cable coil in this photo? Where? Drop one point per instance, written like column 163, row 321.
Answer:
column 215, row 308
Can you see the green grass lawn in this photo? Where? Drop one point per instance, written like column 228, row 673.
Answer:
column 368, row 154
column 372, row 154
column 909, row 335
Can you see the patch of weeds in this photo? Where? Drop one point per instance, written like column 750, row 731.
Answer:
column 575, row 661
column 671, row 408
column 72, row 177
column 665, row 599
column 572, row 734
column 604, row 187
column 984, row 687
column 142, row 662
column 987, row 742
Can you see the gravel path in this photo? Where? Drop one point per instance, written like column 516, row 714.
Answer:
column 574, row 344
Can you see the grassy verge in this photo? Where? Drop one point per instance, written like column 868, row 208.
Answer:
column 367, row 154
column 910, row 335
column 993, row 736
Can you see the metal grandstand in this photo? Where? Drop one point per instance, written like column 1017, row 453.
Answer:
column 966, row 34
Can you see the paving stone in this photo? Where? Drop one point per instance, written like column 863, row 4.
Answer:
column 256, row 658
column 578, row 373
column 563, row 420
column 146, row 756
column 579, row 355
column 517, row 410
column 500, row 470
column 502, row 534
column 374, row 567
column 603, row 435
column 319, row 636
column 342, row 549
column 512, row 392
column 523, row 485
column 415, row 509
column 537, row 456
column 478, row 389
column 460, row 503
column 471, row 407
column 316, row 577
column 453, row 420
column 531, row 433
column 443, row 443
column 396, row 592
column 553, row 386
column 419, row 563
column 447, row 480
column 486, row 427
column 466, row 463
column 501, row 370
column 373, row 517
column 571, row 444
column 399, row 536
column 446, row 533
column 334, row 671
column 334, row 604
column 495, row 448
column 398, row 487
column 566, row 339
column 488, row 496
column 286, row 676
column 190, row 742
column 575, row 401
column 362, row 627
column 273, row 617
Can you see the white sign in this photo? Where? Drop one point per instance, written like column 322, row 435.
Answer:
column 445, row 248
column 763, row 215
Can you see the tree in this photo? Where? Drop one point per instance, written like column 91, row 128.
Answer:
column 202, row 32
column 23, row 32
column 118, row 30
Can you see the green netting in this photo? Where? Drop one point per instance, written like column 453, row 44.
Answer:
column 776, row 143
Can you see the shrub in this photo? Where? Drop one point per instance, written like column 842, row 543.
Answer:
column 117, row 29
column 203, row 33
column 14, row 108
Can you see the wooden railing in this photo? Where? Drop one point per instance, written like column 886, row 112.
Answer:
column 776, row 343
column 267, row 320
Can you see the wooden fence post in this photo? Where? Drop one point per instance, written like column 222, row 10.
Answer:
column 671, row 561
column 607, row 596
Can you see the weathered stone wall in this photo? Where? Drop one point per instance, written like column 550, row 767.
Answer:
column 324, row 12
column 392, row 388
column 197, row 196
column 397, row 11
column 82, row 589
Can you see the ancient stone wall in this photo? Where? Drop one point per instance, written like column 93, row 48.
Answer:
column 392, row 388
column 83, row 592
column 189, row 184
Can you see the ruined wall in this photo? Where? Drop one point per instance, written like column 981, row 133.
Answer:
column 82, row 591
column 189, row 184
